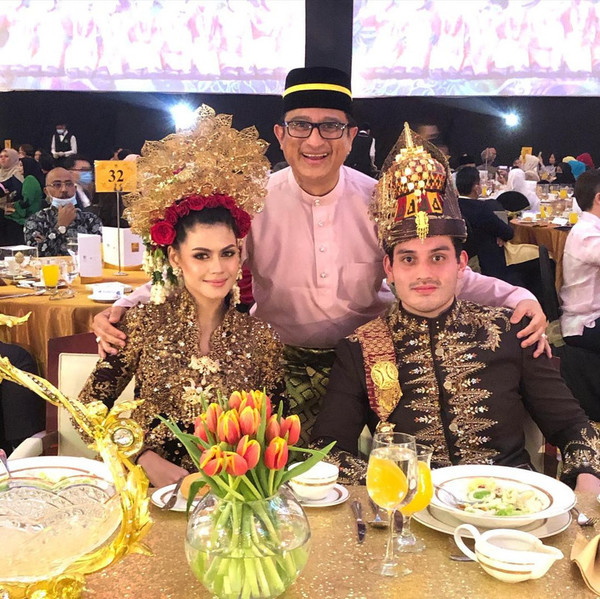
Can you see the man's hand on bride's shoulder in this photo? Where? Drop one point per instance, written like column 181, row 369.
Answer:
column 108, row 337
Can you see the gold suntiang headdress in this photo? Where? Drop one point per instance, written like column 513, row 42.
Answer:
column 207, row 166
column 415, row 196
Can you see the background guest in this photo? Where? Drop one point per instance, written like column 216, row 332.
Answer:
column 32, row 196
column 487, row 233
column 63, row 144
column 362, row 154
column 564, row 174
column 488, row 156
column 22, row 412
column 580, row 293
column 516, row 182
column 26, row 150
column 11, row 178
column 51, row 228
column 83, row 176
column 587, row 160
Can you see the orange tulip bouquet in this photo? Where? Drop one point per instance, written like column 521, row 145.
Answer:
column 249, row 537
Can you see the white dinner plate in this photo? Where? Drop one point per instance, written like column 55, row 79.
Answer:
column 29, row 284
column 104, row 299
column 558, row 497
column 162, row 495
column 444, row 522
column 337, row 495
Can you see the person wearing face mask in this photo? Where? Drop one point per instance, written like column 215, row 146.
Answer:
column 50, row 229
column 81, row 169
column 63, row 144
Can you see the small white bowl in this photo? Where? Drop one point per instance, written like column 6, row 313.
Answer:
column 315, row 483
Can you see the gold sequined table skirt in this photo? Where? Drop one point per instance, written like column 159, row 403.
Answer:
column 337, row 567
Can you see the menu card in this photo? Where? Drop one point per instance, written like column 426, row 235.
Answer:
column 132, row 247
column 90, row 255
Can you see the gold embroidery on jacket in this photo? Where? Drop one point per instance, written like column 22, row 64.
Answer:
column 451, row 354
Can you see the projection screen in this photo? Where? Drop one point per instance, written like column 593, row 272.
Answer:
column 217, row 46
column 476, row 47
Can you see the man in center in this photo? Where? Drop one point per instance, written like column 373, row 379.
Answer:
column 313, row 251
column 450, row 372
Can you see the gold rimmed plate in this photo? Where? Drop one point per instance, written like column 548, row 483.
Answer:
column 337, row 495
column 444, row 522
column 557, row 497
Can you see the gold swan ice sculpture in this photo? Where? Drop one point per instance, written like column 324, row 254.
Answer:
column 115, row 438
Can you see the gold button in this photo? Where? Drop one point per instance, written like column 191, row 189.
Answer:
column 453, row 427
column 448, row 386
column 439, row 352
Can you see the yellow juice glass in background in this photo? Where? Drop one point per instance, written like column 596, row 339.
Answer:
column 50, row 274
column 562, row 194
column 573, row 218
column 407, row 542
column 391, row 482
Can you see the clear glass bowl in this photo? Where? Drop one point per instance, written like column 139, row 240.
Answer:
column 53, row 511
column 253, row 549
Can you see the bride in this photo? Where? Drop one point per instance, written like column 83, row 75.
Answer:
column 196, row 192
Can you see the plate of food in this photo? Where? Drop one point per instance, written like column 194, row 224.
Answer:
column 444, row 522
column 499, row 496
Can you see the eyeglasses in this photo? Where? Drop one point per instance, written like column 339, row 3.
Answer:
column 57, row 185
column 327, row 129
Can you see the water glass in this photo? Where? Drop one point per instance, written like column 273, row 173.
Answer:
column 391, row 484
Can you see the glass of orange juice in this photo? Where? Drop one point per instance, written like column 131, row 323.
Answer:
column 392, row 483
column 50, row 274
column 407, row 542
column 573, row 218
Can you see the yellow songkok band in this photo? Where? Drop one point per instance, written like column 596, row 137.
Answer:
column 317, row 86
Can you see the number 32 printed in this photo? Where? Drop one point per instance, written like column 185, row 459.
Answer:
column 115, row 176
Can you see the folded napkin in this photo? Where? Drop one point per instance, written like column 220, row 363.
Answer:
column 113, row 290
column 585, row 554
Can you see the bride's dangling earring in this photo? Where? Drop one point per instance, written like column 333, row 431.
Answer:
column 235, row 290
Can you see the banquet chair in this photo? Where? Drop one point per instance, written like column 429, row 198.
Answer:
column 579, row 367
column 513, row 201
column 71, row 360
column 549, row 299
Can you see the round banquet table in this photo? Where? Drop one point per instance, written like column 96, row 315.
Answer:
column 337, row 566
column 56, row 318
column 551, row 236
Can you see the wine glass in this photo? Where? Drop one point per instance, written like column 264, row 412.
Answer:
column 407, row 542
column 392, row 483
column 68, row 272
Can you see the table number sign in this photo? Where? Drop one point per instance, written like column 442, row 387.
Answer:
column 526, row 150
column 115, row 175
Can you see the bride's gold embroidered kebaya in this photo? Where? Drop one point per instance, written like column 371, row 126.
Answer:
column 190, row 185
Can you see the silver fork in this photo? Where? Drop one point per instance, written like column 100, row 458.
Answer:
column 173, row 497
column 582, row 519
